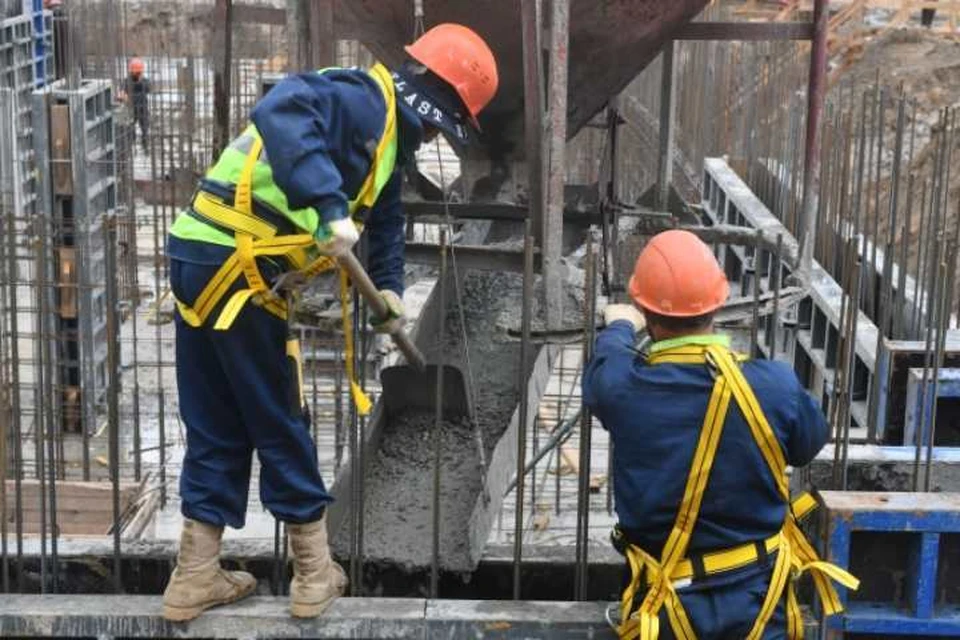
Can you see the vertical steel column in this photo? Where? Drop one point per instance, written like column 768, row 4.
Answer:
column 668, row 93
column 816, row 92
column 311, row 40
column 533, row 112
column 552, row 233
column 223, row 49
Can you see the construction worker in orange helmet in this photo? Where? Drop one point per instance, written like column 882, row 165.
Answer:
column 319, row 164
column 701, row 439
column 135, row 90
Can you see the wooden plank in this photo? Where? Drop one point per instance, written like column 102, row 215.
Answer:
column 60, row 149
column 849, row 501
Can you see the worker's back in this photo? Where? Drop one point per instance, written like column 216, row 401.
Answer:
column 655, row 413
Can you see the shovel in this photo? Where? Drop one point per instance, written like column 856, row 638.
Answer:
column 413, row 385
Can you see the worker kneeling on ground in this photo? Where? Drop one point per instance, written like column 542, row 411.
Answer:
column 701, row 441
column 291, row 194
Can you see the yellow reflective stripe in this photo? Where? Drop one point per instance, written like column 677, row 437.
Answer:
column 726, row 560
column 189, row 315
column 232, row 309
column 803, row 505
column 251, row 272
column 373, row 184
column 703, row 459
column 687, row 354
column 796, row 555
column 794, row 614
column 360, row 399
column 778, row 581
column 293, row 351
column 225, row 216
column 661, row 589
column 243, row 195
column 753, row 414
column 221, row 281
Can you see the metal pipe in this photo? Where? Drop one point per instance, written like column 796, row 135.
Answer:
column 581, row 582
column 525, row 320
column 562, row 433
column 846, row 287
column 875, row 234
column 948, row 276
column 849, row 375
column 920, row 280
column 438, row 418
column 113, row 388
column 811, row 165
column 531, row 25
column 775, row 316
column 927, row 362
column 552, row 232
column 15, row 405
column 668, row 94
column 899, row 318
column 755, row 307
column 356, row 473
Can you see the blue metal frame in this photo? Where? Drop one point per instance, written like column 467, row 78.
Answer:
column 948, row 386
column 922, row 617
column 39, row 44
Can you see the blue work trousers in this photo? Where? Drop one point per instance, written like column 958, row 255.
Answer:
column 240, row 392
column 727, row 611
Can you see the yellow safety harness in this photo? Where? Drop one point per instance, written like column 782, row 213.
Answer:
column 256, row 237
column 795, row 554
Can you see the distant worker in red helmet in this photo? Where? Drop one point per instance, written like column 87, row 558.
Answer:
column 320, row 162
column 701, row 441
column 136, row 89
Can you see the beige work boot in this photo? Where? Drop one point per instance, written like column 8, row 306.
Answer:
column 199, row 582
column 317, row 579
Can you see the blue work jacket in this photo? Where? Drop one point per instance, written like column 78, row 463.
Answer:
column 654, row 414
column 316, row 128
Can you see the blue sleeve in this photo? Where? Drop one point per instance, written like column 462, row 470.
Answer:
column 809, row 431
column 302, row 129
column 386, row 238
column 612, row 362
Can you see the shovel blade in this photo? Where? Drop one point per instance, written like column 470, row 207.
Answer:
column 405, row 388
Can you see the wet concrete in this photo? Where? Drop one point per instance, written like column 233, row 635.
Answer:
column 398, row 479
column 398, row 513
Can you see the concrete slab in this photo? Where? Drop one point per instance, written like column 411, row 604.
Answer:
column 68, row 616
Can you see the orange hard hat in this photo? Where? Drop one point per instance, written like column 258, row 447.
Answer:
column 463, row 60
column 677, row 275
column 136, row 65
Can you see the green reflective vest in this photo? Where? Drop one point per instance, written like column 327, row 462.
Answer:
column 266, row 193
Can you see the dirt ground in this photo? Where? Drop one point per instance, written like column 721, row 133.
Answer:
column 925, row 65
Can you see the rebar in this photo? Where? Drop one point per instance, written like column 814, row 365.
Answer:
column 523, row 414
column 438, row 416
column 581, row 583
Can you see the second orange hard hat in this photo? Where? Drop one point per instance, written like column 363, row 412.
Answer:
column 677, row 275
column 462, row 59
column 136, row 65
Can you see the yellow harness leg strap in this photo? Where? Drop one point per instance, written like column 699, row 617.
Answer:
column 795, row 555
column 360, row 399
